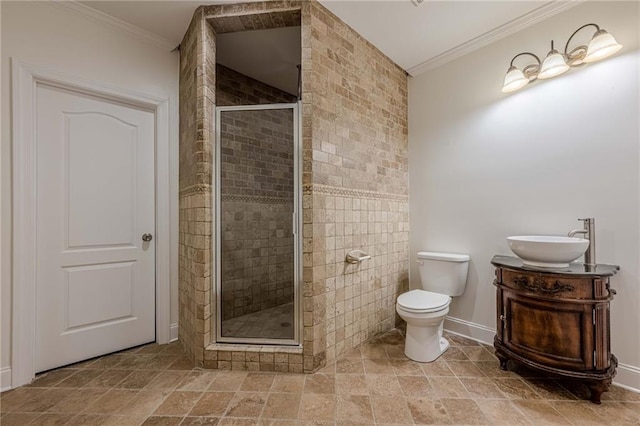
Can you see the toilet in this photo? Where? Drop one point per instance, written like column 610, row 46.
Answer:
column 442, row 276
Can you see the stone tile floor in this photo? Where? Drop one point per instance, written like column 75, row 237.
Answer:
column 272, row 323
column 372, row 385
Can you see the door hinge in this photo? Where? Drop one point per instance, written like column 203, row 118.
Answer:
column 594, row 358
column 593, row 316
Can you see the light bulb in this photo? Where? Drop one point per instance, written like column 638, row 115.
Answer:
column 514, row 80
column 553, row 65
column 602, row 45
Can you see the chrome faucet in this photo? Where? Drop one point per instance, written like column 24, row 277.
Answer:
column 589, row 232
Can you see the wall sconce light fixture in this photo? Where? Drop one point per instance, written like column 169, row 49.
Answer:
column 602, row 45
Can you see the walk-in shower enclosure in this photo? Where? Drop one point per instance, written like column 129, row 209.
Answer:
column 353, row 138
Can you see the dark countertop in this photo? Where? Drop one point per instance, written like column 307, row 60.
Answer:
column 574, row 269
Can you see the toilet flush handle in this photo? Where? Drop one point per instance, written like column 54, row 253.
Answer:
column 419, row 262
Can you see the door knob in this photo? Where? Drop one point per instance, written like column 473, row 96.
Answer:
column 147, row 237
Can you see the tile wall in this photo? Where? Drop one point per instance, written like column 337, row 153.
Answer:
column 234, row 88
column 354, row 136
column 196, row 231
column 355, row 186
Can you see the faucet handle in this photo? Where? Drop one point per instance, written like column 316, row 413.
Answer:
column 588, row 221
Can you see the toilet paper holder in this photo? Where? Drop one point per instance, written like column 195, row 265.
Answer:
column 356, row 256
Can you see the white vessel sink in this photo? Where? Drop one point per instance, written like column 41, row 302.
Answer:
column 547, row 251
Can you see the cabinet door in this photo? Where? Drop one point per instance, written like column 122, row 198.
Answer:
column 557, row 334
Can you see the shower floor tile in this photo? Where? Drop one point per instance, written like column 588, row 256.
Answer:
column 272, row 323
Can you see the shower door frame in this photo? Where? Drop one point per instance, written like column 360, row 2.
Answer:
column 296, row 228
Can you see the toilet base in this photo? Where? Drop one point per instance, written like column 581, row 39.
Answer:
column 425, row 344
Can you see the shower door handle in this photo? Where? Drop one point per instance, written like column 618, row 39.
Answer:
column 294, row 222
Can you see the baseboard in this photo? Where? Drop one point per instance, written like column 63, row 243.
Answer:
column 627, row 376
column 173, row 333
column 470, row 330
column 5, row 379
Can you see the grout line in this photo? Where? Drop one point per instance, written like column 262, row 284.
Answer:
column 547, row 398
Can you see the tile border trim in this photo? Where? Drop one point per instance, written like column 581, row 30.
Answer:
column 310, row 189
column 198, row 188
column 256, row 199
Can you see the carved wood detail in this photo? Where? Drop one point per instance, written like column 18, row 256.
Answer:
column 540, row 284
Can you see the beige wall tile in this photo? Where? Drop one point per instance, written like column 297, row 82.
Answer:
column 354, row 137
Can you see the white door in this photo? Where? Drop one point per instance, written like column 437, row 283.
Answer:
column 95, row 282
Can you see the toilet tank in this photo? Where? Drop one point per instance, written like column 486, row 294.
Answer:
column 444, row 273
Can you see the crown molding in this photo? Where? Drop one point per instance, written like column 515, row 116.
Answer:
column 537, row 15
column 106, row 19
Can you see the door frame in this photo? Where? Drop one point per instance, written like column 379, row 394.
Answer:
column 25, row 79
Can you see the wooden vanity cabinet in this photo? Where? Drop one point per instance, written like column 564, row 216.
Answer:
column 556, row 321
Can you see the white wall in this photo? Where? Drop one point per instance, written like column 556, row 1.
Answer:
column 485, row 165
column 51, row 36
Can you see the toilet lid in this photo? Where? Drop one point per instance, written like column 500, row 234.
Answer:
column 422, row 300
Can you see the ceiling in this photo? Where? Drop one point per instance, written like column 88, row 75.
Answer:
column 412, row 36
column 270, row 56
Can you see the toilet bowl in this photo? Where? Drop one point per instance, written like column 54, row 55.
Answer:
column 424, row 310
column 424, row 313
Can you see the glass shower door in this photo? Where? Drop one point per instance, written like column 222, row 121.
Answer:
column 257, row 216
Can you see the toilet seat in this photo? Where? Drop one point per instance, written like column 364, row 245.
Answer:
column 422, row 301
